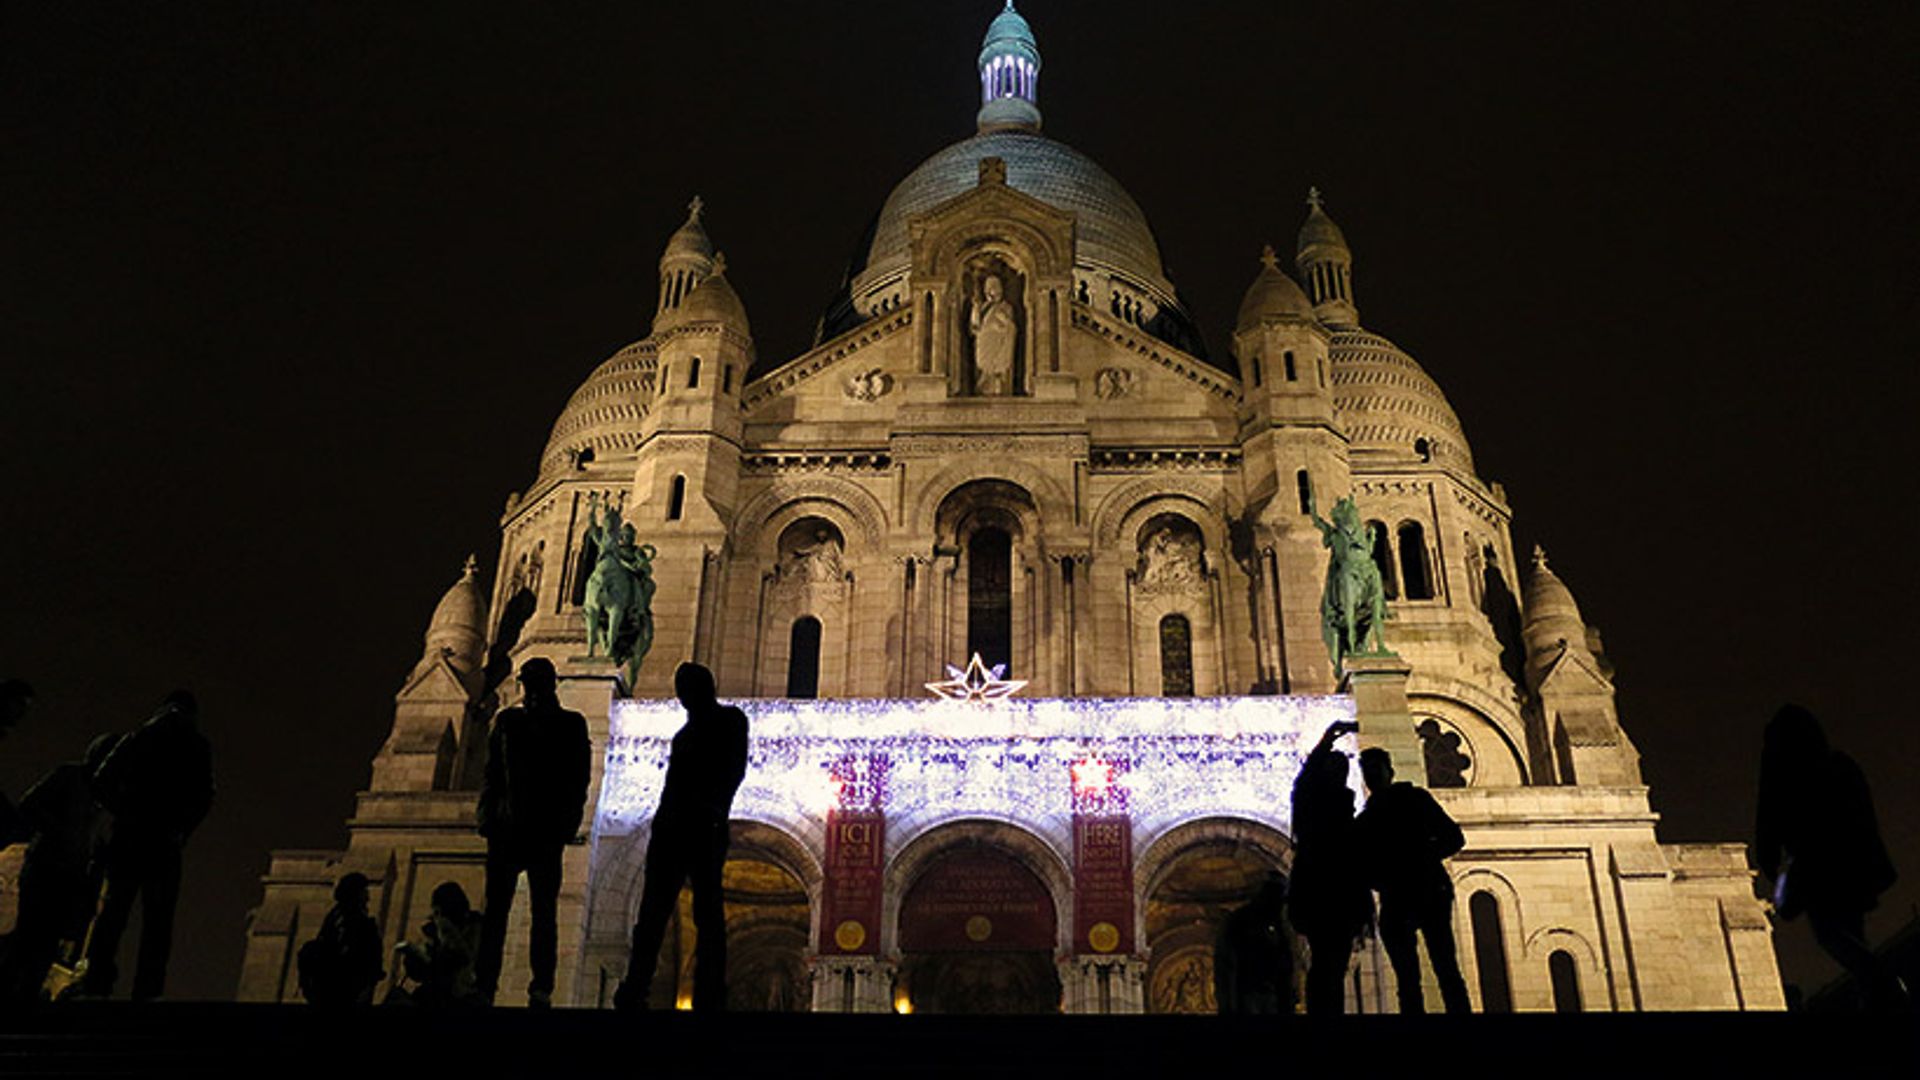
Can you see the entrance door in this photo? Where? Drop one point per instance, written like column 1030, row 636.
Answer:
column 977, row 936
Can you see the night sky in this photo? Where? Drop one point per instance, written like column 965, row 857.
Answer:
column 289, row 300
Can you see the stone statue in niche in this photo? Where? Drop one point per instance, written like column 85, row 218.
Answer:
column 868, row 385
column 996, row 333
column 1170, row 560
column 814, row 560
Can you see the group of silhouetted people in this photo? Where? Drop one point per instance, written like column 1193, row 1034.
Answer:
column 1817, row 840
column 1396, row 846
column 103, row 834
column 532, row 799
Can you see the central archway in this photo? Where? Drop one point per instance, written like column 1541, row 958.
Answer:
column 977, row 934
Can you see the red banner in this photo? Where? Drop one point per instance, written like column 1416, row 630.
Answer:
column 850, row 895
column 1102, row 884
column 1102, row 857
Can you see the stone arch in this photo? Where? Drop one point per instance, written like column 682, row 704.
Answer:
column 1512, row 925
column 1156, row 853
column 844, row 502
column 1498, row 761
column 1028, row 848
column 1049, row 499
column 1187, row 880
column 1127, row 504
column 1002, row 235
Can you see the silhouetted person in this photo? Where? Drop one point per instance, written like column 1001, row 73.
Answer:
column 441, row 964
column 531, row 801
column 1330, row 904
column 341, row 965
column 689, row 842
column 158, row 784
column 59, row 880
column 16, row 700
column 1252, row 960
column 1817, row 838
column 1404, row 836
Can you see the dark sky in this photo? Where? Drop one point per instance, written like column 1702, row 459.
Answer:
column 289, row 299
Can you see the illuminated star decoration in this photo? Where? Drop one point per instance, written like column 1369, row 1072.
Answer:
column 976, row 683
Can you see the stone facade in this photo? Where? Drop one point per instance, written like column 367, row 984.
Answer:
column 1009, row 440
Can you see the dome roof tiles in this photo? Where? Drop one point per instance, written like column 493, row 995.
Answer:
column 1387, row 402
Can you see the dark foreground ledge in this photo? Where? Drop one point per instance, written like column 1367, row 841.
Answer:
column 114, row 1039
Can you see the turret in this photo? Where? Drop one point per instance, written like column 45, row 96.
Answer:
column 1281, row 350
column 1326, row 265
column 686, row 262
column 1009, row 75
column 1293, row 451
column 433, row 711
column 1574, row 730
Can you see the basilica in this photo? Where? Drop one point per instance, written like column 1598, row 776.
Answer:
column 1010, row 441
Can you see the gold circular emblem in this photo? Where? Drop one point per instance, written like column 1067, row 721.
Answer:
column 1104, row 937
column 979, row 928
column 849, row 935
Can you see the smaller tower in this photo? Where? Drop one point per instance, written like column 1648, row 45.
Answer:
column 1574, row 732
column 1326, row 265
column 1293, row 451
column 1009, row 75
column 433, row 717
column 686, row 262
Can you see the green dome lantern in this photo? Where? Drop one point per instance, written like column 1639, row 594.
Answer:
column 1009, row 75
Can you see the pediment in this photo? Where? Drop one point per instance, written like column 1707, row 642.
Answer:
column 434, row 679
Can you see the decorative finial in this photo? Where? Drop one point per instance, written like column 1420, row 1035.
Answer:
column 696, row 208
column 1313, row 198
column 1539, row 557
column 1268, row 259
column 719, row 263
column 472, row 568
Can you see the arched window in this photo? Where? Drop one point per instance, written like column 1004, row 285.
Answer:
column 1413, row 561
column 1176, row 656
column 589, row 555
column 803, row 658
column 1490, row 953
column 677, row 499
column 666, row 371
column 1256, row 365
column 726, row 379
column 693, row 374
column 1383, row 558
column 1303, row 480
column 1286, row 360
column 1565, row 976
column 990, row 596
column 1423, row 449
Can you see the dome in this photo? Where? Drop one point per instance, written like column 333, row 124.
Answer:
column 1272, row 295
column 603, row 416
column 1009, row 28
column 713, row 300
column 1110, row 231
column 1318, row 230
column 690, row 239
column 1552, row 617
column 458, row 622
column 1387, row 404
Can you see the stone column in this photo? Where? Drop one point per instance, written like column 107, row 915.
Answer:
column 859, row 984
column 1378, row 685
column 1103, row 984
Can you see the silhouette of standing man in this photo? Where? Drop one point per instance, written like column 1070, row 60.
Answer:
column 1819, row 841
column 158, row 784
column 1405, row 836
column 532, row 797
column 708, row 761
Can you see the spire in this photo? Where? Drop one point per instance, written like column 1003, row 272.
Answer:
column 1326, row 265
column 1009, row 75
column 686, row 262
